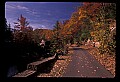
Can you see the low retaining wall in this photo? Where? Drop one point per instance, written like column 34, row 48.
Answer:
column 37, row 67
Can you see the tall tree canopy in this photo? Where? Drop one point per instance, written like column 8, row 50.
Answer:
column 22, row 24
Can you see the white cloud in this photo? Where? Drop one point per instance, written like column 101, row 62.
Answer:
column 43, row 26
column 10, row 6
column 26, row 9
column 31, row 12
column 40, row 26
column 21, row 7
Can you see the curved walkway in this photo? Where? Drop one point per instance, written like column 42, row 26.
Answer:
column 85, row 65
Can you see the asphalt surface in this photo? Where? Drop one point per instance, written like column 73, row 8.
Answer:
column 85, row 65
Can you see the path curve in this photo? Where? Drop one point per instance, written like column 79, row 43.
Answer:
column 85, row 65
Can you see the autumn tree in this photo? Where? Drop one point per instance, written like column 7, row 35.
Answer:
column 92, row 21
column 23, row 30
column 22, row 24
column 56, row 38
column 24, row 40
column 101, row 30
column 56, row 32
column 79, row 25
column 108, row 44
column 36, row 36
column 56, row 29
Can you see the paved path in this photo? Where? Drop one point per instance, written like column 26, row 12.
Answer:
column 85, row 65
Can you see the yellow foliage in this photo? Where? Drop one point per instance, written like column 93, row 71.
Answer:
column 92, row 34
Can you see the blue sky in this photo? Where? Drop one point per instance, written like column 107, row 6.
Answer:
column 40, row 14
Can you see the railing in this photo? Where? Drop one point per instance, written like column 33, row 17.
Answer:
column 35, row 67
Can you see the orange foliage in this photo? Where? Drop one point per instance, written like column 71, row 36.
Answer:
column 48, row 33
column 88, row 11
